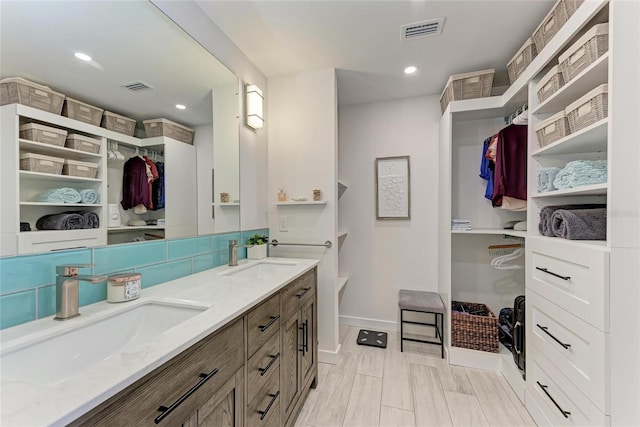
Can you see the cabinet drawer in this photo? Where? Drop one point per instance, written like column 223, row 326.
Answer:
column 261, row 364
column 560, row 401
column 139, row 404
column 263, row 321
column 266, row 403
column 576, row 348
column 298, row 292
column 53, row 240
column 574, row 276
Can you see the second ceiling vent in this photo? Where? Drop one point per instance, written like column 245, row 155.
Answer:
column 417, row 30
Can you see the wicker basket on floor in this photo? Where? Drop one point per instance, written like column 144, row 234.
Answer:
column 472, row 331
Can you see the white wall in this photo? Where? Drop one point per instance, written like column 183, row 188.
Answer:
column 382, row 256
column 302, row 157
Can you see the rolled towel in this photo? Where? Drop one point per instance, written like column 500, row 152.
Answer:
column 60, row 195
column 545, row 226
column 91, row 220
column 63, row 221
column 581, row 172
column 580, row 224
column 90, row 196
column 545, row 179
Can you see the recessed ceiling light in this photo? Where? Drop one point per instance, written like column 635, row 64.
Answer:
column 180, row 107
column 83, row 56
column 410, row 70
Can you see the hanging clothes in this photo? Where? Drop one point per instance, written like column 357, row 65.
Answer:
column 510, row 175
column 135, row 187
column 152, row 175
column 487, row 168
column 157, row 189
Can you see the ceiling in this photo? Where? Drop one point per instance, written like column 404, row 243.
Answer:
column 361, row 39
column 129, row 40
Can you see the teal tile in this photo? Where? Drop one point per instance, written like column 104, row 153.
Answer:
column 89, row 293
column 121, row 257
column 182, row 248
column 221, row 241
column 17, row 308
column 155, row 274
column 28, row 272
column 221, row 258
column 46, row 301
column 204, row 262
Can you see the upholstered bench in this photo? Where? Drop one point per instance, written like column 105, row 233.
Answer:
column 422, row 302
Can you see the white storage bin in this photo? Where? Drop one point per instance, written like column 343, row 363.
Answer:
column 41, row 163
column 550, row 25
column 552, row 129
column 81, row 111
column 592, row 107
column 521, row 60
column 164, row 127
column 591, row 46
column 476, row 84
column 550, row 83
column 16, row 90
column 78, row 168
column 118, row 123
column 44, row 134
column 83, row 143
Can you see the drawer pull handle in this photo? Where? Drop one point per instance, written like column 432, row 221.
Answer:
column 305, row 336
column 266, row 410
column 271, row 322
column 545, row 270
column 273, row 357
column 304, row 291
column 544, row 388
column 167, row 410
column 545, row 330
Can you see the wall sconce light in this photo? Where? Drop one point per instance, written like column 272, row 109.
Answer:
column 254, row 107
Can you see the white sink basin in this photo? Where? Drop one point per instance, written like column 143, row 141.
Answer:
column 261, row 270
column 62, row 354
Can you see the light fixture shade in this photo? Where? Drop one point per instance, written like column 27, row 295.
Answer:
column 255, row 118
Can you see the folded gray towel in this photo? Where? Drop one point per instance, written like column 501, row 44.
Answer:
column 90, row 220
column 580, row 224
column 544, row 226
column 63, row 221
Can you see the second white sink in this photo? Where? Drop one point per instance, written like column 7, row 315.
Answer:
column 261, row 270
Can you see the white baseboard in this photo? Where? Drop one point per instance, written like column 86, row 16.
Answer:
column 374, row 324
column 330, row 357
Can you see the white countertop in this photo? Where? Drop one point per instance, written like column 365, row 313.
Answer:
column 23, row 404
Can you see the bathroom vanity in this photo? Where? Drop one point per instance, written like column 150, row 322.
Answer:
column 245, row 353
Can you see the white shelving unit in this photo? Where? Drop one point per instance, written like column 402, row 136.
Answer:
column 341, row 283
column 301, row 203
column 342, row 280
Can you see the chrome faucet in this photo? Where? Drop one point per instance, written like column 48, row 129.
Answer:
column 67, row 289
column 233, row 252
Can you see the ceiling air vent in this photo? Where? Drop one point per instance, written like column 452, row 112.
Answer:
column 137, row 86
column 417, row 30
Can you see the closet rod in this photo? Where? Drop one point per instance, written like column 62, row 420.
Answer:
column 513, row 245
column 326, row 244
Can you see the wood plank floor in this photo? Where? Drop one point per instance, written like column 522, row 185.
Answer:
column 383, row 387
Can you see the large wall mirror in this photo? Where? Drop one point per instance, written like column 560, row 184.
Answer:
column 132, row 43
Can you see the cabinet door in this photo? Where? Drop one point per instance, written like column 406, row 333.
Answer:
column 308, row 341
column 289, row 365
column 224, row 408
column 180, row 188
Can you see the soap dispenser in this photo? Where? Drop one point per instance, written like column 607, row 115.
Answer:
column 282, row 196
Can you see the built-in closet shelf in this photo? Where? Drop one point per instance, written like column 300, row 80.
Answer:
column 70, row 205
column 321, row 202
column 342, row 234
column 584, row 243
column 590, row 78
column 125, row 228
column 55, row 178
column 224, row 205
column 585, row 190
column 591, row 139
column 499, row 231
column 342, row 281
column 341, row 188
column 52, row 150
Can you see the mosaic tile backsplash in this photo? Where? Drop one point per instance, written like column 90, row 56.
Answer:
column 27, row 283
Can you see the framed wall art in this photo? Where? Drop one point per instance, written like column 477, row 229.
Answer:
column 393, row 188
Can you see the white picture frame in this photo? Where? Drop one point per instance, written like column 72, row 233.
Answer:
column 393, row 188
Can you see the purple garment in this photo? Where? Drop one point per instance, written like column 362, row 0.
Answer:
column 510, row 175
column 135, row 186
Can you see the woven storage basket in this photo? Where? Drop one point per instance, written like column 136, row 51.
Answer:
column 18, row 90
column 591, row 46
column 589, row 109
column 550, row 83
column 521, row 60
column 477, row 84
column 474, row 332
column 550, row 25
column 552, row 129
column 570, row 6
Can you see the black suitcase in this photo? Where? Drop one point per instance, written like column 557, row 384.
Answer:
column 518, row 348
